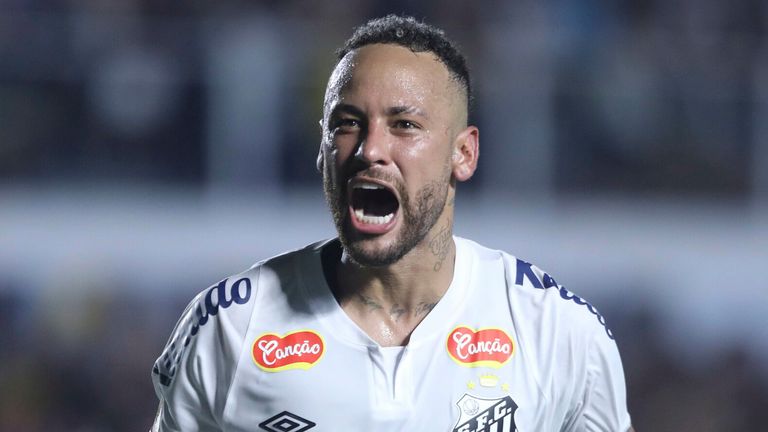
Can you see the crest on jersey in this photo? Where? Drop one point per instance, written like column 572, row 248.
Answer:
column 486, row 415
column 486, row 347
column 297, row 350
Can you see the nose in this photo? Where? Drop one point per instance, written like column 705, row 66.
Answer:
column 374, row 146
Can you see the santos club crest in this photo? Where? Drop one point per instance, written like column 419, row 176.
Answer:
column 486, row 415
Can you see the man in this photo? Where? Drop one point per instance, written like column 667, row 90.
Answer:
column 396, row 325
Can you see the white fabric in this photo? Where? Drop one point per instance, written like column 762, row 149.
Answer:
column 546, row 362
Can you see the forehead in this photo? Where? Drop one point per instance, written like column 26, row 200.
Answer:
column 390, row 70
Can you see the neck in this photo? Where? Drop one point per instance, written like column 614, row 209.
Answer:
column 389, row 302
column 412, row 279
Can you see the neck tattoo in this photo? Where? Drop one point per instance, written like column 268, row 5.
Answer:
column 440, row 245
column 369, row 302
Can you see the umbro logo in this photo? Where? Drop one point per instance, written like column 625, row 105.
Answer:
column 286, row 422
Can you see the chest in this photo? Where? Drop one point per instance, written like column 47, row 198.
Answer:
column 472, row 377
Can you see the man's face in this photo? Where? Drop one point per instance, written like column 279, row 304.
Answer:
column 390, row 118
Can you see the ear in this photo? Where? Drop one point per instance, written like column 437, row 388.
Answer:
column 320, row 159
column 320, row 151
column 466, row 149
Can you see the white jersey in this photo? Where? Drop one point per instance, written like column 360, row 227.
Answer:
column 505, row 349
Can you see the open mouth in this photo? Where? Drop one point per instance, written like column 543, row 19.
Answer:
column 373, row 204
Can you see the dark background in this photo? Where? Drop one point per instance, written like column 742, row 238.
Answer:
column 150, row 148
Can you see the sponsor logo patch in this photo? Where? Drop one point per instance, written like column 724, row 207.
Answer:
column 286, row 422
column 298, row 350
column 486, row 415
column 487, row 347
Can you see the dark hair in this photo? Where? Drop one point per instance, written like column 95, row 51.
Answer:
column 417, row 37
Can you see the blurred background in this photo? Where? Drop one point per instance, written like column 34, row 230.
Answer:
column 149, row 148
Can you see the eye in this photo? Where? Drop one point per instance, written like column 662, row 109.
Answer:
column 405, row 124
column 345, row 125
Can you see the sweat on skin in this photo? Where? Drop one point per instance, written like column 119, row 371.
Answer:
column 394, row 119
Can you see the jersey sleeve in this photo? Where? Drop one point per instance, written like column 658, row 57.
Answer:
column 603, row 404
column 193, row 374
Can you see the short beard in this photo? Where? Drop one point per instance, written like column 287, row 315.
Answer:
column 418, row 219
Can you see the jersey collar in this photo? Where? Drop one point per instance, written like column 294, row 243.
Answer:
column 337, row 323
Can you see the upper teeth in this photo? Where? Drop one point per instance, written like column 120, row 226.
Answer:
column 367, row 186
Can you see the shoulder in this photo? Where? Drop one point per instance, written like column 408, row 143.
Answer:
column 229, row 301
column 194, row 373
column 534, row 293
column 576, row 361
column 216, row 320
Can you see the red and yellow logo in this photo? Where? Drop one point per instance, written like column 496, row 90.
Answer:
column 298, row 350
column 489, row 347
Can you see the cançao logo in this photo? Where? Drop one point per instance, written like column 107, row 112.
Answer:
column 298, row 350
column 488, row 347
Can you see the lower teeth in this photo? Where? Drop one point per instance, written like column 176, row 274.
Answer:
column 374, row 220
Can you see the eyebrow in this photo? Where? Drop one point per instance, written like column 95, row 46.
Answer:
column 346, row 108
column 403, row 109
column 391, row 111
